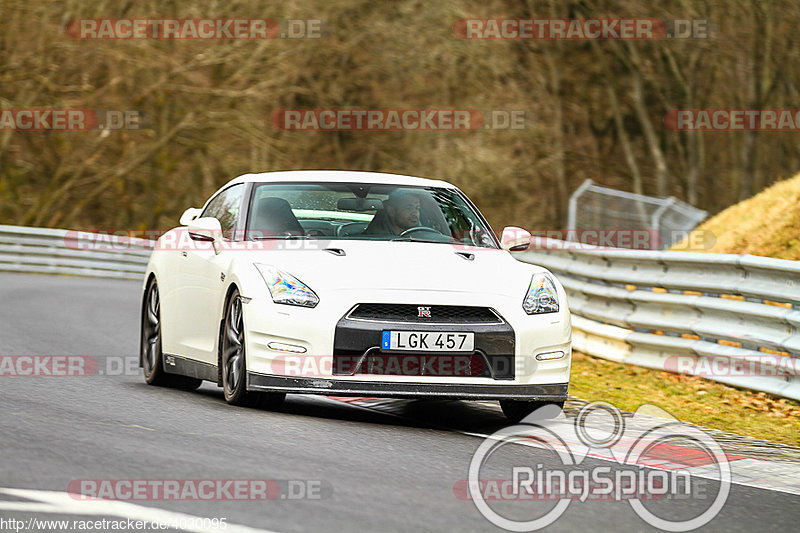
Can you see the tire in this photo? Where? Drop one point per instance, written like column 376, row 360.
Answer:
column 151, row 356
column 233, row 362
column 516, row 410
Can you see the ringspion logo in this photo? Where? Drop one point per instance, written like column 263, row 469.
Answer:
column 647, row 458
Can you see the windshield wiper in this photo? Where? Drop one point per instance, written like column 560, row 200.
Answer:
column 414, row 239
column 280, row 237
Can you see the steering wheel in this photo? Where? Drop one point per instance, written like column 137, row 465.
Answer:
column 419, row 228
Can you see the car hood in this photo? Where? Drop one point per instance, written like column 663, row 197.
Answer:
column 345, row 265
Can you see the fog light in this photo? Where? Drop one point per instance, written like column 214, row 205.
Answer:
column 547, row 356
column 281, row 347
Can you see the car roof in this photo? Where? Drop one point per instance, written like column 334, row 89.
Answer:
column 337, row 176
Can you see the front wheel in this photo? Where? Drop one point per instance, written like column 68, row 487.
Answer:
column 233, row 361
column 516, row 410
column 151, row 355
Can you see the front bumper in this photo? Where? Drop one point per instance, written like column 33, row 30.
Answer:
column 322, row 333
column 554, row 392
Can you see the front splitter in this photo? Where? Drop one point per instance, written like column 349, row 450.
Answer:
column 554, row 392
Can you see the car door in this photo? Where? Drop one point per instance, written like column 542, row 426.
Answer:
column 202, row 271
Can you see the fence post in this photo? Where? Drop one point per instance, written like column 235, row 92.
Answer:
column 655, row 219
column 572, row 215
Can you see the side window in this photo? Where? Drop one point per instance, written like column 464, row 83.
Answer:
column 225, row 208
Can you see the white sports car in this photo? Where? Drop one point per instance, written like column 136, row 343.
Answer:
column 352, row 284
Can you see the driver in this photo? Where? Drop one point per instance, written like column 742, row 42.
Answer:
column 402, row 209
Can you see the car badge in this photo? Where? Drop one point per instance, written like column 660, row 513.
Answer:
column 423, row 312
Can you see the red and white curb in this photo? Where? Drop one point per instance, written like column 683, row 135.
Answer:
column 748, row 471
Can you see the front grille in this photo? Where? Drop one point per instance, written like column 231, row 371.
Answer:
column 439, row 314
column 476, row 364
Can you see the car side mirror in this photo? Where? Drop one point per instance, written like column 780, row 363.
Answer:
column 515, row 239
column 206, row 229
column 189, row 215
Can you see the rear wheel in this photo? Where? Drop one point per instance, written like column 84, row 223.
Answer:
column 233, row 361
column 152, row 357
column 516, row 410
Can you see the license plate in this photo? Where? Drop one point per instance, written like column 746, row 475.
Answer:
column 430, row 341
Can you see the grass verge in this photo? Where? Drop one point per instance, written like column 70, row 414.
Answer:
column 687, row 398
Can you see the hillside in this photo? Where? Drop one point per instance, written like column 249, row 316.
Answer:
column 591, row 109
column 767, row 224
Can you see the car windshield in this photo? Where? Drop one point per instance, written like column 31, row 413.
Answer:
column 365, row 211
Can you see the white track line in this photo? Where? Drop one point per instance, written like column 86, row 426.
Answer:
column 62, row 503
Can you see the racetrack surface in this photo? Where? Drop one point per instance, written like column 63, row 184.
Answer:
column 378, row 472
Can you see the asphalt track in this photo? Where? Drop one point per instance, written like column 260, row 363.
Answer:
column 377, row 472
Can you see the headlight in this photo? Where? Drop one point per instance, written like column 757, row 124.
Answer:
column 285, row 288
column 542, row 296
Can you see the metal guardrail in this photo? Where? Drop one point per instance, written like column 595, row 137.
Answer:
column 58, row 251
column 730, row 318
column 706, row 314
